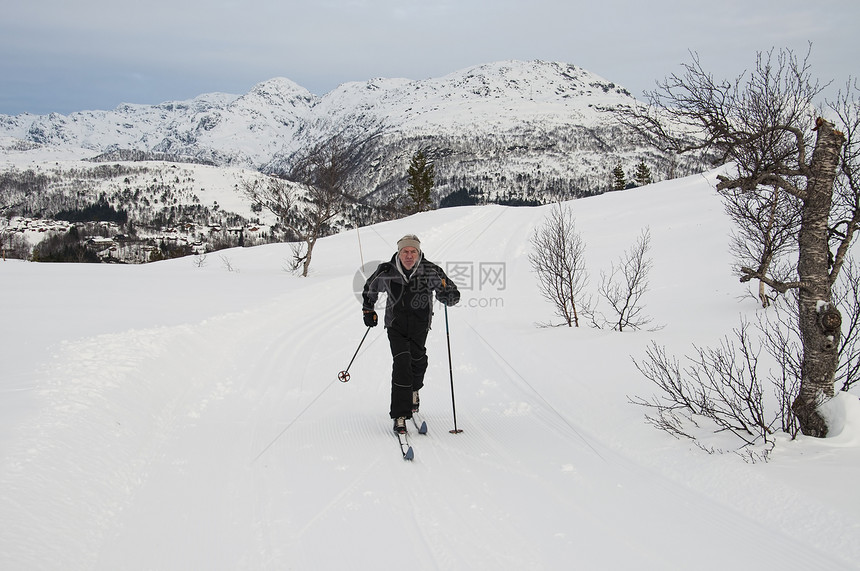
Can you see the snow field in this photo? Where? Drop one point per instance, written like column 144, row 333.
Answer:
column 170, row 416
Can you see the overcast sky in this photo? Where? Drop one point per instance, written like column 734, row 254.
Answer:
column 62, row 56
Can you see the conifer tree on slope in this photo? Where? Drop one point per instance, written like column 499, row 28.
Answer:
column 421, row 177
column 619, row 180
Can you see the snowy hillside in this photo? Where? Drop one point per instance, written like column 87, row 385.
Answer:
column 487, row 98
column 185, row 416
column 183, row 205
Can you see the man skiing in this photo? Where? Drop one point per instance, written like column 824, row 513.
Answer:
column 409, row 280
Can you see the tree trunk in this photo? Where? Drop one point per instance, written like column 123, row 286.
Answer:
column 306, row 264
column 819, row 320
column 762, row 295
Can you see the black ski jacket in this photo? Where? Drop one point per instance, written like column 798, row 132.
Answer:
column 409, row 306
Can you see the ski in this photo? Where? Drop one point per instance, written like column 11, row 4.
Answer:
column 419, row 422
column 405, row 447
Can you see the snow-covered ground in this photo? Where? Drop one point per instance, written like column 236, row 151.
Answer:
column 186, row 416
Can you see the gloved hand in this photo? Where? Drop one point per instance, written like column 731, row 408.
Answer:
column 449, row 297
column 370, row 318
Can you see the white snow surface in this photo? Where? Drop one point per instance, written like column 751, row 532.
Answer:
column 170, row 416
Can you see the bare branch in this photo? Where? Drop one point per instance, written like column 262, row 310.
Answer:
column 626, row 284
column 557, row 258
column 782, row 287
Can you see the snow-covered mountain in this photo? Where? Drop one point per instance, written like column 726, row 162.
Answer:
column 215, row 126
column 535, row 130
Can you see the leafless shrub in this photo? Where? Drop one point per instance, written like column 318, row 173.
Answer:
column 300, row 256
column 557, row 258
column 624, row 286
column 228, row 264
column 719, row 388
column 723, row 387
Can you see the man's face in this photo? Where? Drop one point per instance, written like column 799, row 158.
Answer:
column 408, row 257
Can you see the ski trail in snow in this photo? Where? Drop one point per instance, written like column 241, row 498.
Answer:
column 543, row 401
column 291, row 423
column 524, row 414
column 142, row 451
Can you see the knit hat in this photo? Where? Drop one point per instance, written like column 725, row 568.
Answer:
column 409, row 241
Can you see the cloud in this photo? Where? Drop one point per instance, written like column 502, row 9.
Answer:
column 57, row 56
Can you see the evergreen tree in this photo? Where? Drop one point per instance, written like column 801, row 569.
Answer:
column 618, row 178
column 421, row 178
column 642, row 175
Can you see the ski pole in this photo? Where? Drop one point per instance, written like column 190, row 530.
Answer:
column 451, row 374
column 343, row 376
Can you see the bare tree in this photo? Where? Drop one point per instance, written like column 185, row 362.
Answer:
column 763, row 125
column 317, row 189
column 282, row 199
column 626, row 283
column 557, row 258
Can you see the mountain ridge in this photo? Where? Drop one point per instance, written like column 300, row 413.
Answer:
column 513, row 132
column 489, row 97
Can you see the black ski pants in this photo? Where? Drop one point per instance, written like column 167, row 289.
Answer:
column 407, row 372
